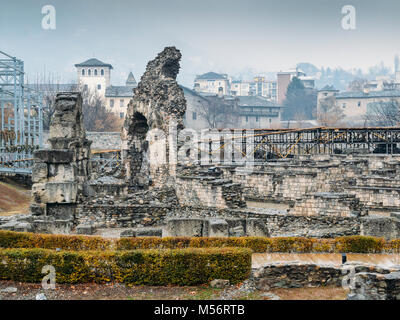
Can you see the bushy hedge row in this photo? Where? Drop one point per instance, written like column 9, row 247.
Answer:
column 138, row 267
column 11, row 239
column 356, row 244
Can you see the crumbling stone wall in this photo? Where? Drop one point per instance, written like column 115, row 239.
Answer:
column 365, row 182
column 158, row 105
column 60, row 174
column 370, row 285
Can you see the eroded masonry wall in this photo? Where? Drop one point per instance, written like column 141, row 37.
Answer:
column 154, row 114
column 60, row 174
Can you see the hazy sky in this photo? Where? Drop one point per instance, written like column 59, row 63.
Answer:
column 219, row 35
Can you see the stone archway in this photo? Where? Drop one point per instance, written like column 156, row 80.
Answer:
column 158, row 106
column 137, row 165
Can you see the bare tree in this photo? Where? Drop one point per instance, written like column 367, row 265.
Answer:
column 96, row 116
column 329, row 114
column 383, row 114
column 218, row 112
column 49, row 85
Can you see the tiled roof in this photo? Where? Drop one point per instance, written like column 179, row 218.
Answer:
column 93, row 63
column 255, row 101
column 371, row 94
column 328, row 88
column 119, row 91
column 211, row 76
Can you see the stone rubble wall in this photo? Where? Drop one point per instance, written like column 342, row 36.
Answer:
column 365, row 282
column 296, row 275
column 375, row 286
column 357, row 183
column 60, row 174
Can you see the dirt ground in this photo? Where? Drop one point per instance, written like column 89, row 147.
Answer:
column 116, row 291
column 14, row 199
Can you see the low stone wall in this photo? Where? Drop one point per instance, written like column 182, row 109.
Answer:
column 209, row 192
column 373, row 181
column 296, row 275
column 122, row 216
column 375, row 286
column 329, row 204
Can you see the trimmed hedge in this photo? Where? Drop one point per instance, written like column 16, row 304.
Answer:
column 356, row 244
column 12, row 239
column 138, row 267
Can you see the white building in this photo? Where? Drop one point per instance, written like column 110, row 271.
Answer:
column 94, row 74
column 257, row 112
column 118, row 97
column 212, row 82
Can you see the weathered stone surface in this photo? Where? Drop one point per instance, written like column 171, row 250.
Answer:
column 185, row 227
column 219, row 283
column 60, row 174
column 158, row 105
column 39, row 172
column 256, row 228
column 54, row 156
column 85, row 228
column 218, row 228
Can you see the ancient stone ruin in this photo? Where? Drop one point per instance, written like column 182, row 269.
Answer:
column 158, row 106
column 321, row 196
column 60, row 174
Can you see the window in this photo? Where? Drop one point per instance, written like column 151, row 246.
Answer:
column 83, row 72
column 194, row 115
column 270, row 120
column 121, row 103
column 256, row 118
column 95, row 72
column 359, row 104
column 99, row 87
column 325, row 94
column 121, row 115
column 102, row 72
column 344, row 105
column 247, row 118
column 112, row 103
column 85, row 86
column 89, row 72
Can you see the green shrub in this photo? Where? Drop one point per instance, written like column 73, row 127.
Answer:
column 137, row 267
column 356, row 244
column 359, row 244
column 11, row 239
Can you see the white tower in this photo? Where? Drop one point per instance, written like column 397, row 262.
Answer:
column 95, row 74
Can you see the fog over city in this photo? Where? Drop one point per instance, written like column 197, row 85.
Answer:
column 240, row 38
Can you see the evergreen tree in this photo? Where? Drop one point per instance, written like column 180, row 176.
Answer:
column 299, row 102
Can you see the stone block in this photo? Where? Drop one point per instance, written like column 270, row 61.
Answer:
column 54, row 156
column 61, row 172
column 219, row 283
column 85, row 228
column 218, row 228
column 39, row 172
column 38, row 209
column 185, row 227
column 237, row 227
column 61, row 192
column 256, row 228
column 61, row 211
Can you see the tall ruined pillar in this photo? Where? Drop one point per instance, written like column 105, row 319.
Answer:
column 60, row 174
column 157, row 107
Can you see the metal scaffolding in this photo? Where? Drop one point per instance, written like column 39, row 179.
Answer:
column 268, row 144
column 21, row 118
